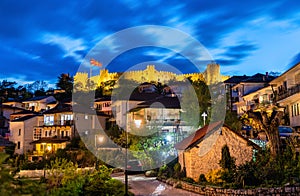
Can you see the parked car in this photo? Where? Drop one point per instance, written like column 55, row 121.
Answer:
column 286, row 131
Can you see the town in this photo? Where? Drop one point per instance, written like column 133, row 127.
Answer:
column 192, row 131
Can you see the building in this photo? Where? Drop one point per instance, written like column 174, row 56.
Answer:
column 201, row 152
column 21, row 132
column 5, row 113
column 103, row 105
column 54, row 131
column 261, row 98
column 162, row 113
column 245, row 87
column 287, row 94
column 232, row 95
column 40, row 103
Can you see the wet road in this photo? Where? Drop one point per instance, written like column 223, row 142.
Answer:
column 141, row 185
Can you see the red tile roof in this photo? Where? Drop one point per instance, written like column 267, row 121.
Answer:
column 199, row 134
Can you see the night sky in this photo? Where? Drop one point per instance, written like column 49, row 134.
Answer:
column 41, row 40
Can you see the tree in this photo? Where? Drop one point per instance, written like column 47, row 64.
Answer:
column 37, row 86
column 227, row 163
column 65, row 82
column 267, row 122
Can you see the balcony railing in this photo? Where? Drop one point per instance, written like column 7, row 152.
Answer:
column 57, row 123
column 289, row 92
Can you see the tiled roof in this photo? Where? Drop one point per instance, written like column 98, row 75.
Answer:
column 137, row 96
column 236, row 79
column 11, row 107
column 162, row 102
column 24, row 118
column 37, row 98
column 199, row 134
column 250, row 79
column 107, row 98
column 24, row 112
column 259, row 78
column 202, row 132
column 59, row 109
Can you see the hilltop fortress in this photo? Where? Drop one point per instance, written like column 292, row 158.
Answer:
column 211, row 75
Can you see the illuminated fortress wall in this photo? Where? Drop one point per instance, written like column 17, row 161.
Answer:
column 211, row 75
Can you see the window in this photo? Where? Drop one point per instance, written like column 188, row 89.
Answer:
column 46, row 133
column 49, row 120
column 19, row 145
column 62, row 134
column 20, row 131
column 66, row 119
column 37, row 134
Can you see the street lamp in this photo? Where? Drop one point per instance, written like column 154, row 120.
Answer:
column 99, row 139
column 126, row 172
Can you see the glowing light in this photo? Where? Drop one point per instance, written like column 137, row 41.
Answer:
column 138, row 123
column 169, row 138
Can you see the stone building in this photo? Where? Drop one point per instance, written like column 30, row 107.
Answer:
column 201, row 152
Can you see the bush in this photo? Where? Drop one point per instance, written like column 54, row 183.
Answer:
column 214, row 177
column 164, row 172
column 202, row 178
column 177, row 171
column 189, row 180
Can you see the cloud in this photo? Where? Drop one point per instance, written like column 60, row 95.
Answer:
column 49, row 38
column 69, row 45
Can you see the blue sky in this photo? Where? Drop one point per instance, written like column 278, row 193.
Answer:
column 40, row 40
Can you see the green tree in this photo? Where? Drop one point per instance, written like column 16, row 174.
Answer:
column 227, row 163
column 65, row 82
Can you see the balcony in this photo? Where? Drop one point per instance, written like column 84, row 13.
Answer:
column 289, row 92
column 57, row 123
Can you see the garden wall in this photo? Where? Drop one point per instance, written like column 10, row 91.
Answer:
column 205, row 190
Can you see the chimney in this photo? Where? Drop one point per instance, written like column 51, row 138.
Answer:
column 267, row 74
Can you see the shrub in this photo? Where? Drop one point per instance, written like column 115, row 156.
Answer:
column 177, row 171
column 188, row 179
column 202, row 178
column 214, row 176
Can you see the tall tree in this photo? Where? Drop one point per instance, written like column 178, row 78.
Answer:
column 65, row 82
column 267, row 122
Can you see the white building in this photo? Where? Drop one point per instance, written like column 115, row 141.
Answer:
column 21, row 132
column 287, row 93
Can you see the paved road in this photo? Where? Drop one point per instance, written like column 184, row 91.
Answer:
column 143, row 186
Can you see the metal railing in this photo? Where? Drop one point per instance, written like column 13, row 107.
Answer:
column 289, row 92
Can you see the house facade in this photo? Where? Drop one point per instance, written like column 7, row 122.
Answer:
column 261, row 98
column 244, row 87
column 200, row 153
column 54, row 131
column 287, row 94
column 38, row 104
column 21, row 132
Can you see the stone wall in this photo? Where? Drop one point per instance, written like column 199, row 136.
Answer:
column 206, row 155
column 206, row 190
column 39, row 173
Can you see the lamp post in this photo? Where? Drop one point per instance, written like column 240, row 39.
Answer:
column 99, row 139
column 126, row 172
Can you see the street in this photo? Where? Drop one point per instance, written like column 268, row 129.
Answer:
column 140, row 185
